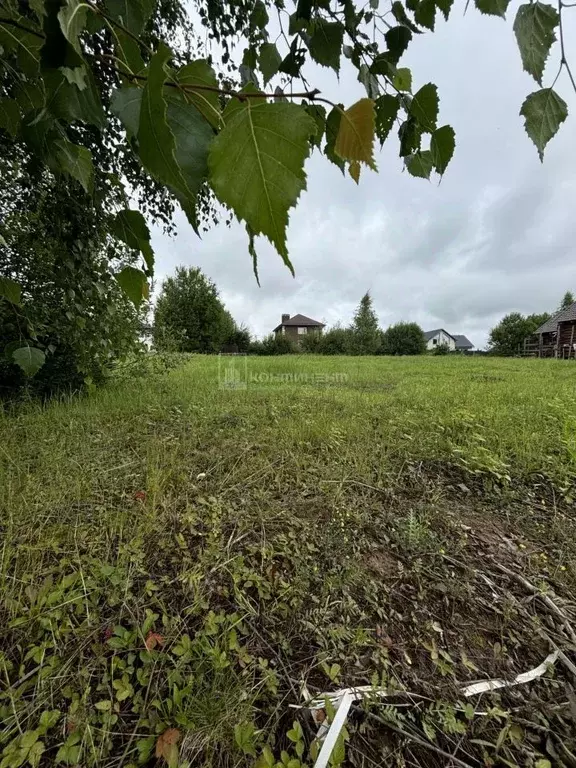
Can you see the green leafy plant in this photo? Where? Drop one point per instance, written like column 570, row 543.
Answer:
column 403, row 339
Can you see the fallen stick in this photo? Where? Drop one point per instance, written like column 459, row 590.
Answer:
column 561, row 655
column 418, row 740
column 555, row 609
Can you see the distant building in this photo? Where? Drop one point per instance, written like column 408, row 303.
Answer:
column 462, row 343
column 438, row 338
column 296, row 327
column 454, row 342
column 554, row 338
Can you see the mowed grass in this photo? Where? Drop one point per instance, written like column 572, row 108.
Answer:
column 179, row 555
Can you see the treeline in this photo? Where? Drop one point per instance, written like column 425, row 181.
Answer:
column 191, row 317
column 362, row 337
column 398, row 339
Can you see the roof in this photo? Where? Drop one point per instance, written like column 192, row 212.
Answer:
column 430, row 334
column 462, row 342
column 300, row 320
column 563, row 316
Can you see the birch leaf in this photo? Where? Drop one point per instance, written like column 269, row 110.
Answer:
column 256, row 166
column 355, row 140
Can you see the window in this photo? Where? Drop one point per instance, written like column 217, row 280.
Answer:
column 302, row 330
column 434, row 342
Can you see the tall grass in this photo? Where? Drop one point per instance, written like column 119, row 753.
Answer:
column 265, row 524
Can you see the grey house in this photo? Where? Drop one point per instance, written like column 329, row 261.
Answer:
column 462, row 343
column 440, row 337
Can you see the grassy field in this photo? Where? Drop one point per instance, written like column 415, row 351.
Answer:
column 181, row 552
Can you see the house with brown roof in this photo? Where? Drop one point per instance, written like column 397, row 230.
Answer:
column 554, row 338
column 298, row 326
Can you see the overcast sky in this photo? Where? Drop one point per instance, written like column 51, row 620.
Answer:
column 497, row 234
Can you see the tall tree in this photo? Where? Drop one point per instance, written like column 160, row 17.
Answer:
column 365, row 329
column 508, row 336
column 567, row 300
column 189, row 315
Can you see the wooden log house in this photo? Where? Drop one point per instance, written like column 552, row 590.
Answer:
column 554, row 338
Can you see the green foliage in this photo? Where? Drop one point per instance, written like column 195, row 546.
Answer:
column 131, row 228
column 442, row 145
column 325, row 43
column 29, row 359
column 189, row 315
column 75, row 161
column 238, row 338
column 189, row 124
column 534, row 29
column 365, row 333
column 508, row 336
column 63, row 320
column 543, row 111
column 336, row 341
column 387, row 107
column 10, row 290
column 273, row 344
column 424, row 107
column 403, row 339
column 156, row 142
column 441, row 349
column 270, row 168
column 133, row 283
column 567, row 300
column 312, row 343
column 419, row 164
column 402, row 80
column 493, row 7
column 269, row 60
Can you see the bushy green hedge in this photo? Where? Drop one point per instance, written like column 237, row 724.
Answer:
column 273, row 345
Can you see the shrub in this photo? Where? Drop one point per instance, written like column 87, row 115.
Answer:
column 403, row 339
column 239, row 338
column 441, row 349
column 273, row 345
column 336, row 341
column 312, row 343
